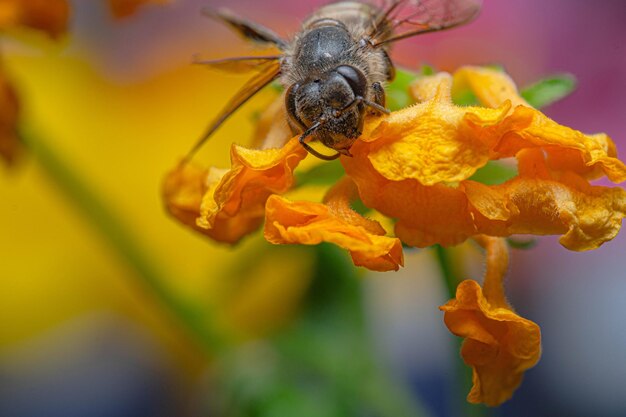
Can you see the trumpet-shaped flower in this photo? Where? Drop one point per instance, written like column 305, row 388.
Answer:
column 227, row 204
column 498, row 344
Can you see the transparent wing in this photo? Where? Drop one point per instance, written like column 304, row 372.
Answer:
column 253, row 86
column 238, row 65
column 401, row 19
column 247, row 29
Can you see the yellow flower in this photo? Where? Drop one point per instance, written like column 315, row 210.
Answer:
column 499, row 345
column 49, row 16
column 414, row 166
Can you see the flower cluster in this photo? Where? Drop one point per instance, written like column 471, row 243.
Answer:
column 415, row 166
column 414, row 169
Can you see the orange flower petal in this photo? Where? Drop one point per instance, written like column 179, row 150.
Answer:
column 526, row 127
column 183, row 191
column 491, row 87
column 312, row 223
column 239, row 194
column 49, row 16
column 124, row 8
column 586, row 216
column 534, row 203
column 430, row 141
column 499, row 345
column 413, row 166
column 436, row 141
column 9, row 111
column 425, row 215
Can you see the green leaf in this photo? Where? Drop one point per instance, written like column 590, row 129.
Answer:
column 494, row 173
column 324, row 174
column 551, row 89
column 398, row 91
column 465, row 98
column 427, row 70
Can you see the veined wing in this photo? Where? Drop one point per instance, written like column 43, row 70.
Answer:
column 401, row 19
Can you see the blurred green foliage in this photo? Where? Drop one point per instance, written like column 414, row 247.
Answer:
column 548, row 90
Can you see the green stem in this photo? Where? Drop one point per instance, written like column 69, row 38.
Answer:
column 464, row 373
column 103, row 218
column 450, row 278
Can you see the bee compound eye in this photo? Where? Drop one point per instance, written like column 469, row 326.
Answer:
column 354, row 77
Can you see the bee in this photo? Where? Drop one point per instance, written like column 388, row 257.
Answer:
column 334, row 70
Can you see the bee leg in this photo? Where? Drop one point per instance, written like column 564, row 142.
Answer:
column 376, row 107
column 379, row 97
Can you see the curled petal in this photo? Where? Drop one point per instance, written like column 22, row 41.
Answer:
column 241, row 192
column 425, row 215
column 499, row 345
column 572, row 160
column 9, row 112
column 414, row 166
column 535, row 202
column 432, row 141
column 124, row 8
column 585, row 216
column 491, row 87
column 567, row 149
column 183, row 191
column 49, row 16
column 312, row 223
column 227, row 204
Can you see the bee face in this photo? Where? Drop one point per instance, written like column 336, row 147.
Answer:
column 333, row 101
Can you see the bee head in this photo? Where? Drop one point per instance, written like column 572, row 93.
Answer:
column 334, row 101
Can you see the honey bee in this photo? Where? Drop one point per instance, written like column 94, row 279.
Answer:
column 335, row 68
